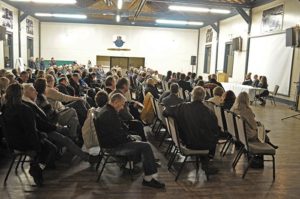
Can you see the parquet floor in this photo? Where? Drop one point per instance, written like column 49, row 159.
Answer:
column 77, row 179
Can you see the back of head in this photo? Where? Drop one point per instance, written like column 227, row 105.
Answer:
column 218, row 91
column 213, row 76
column 14, row 94
column 198, row 93
column 242, row 101
column 101, row 98
column 229, row 96
column 122, row 82
column 182, row 76
column 117, row 97
column 150, row 82
column 174, row 88
column 109, row 81
column 200, row 83
column 40, row 85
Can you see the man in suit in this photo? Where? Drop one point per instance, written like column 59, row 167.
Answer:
column 172, row 99
column 213, row 80
column 109, row 127
column 64, row 88
column 184, row 84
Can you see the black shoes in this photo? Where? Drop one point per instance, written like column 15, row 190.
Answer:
column 93, row 159
column 154, row 184
column 36, row 172
column 263, row 103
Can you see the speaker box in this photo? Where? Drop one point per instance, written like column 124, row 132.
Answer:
column 237, row 44
column 193, row 60
column 2, row 33
column 293, row 37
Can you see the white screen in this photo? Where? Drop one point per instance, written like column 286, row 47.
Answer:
column 271, row 58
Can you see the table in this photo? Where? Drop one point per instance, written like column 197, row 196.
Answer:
column 238, row 88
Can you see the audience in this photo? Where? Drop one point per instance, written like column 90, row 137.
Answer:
column 172, row 99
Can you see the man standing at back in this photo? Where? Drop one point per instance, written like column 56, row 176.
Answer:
column 198, row 126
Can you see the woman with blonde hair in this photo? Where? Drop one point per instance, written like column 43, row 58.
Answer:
column 242, row 107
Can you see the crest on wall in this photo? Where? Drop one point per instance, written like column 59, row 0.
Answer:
column 7, row 18
column 29, row 26
column 119, row 42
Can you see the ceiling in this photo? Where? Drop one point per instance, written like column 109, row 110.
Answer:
column 137, row 12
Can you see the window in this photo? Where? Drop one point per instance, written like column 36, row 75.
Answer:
column 207, row 59
column 29, row 48
column 8, row 51
column 228, row 60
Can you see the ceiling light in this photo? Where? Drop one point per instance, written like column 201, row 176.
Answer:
column 49, row 1
column 199, row 9
column 71, row 16
column 120, row 4
column 118, row 18
column 176, row 22
column 219, row 11
column 188, row 9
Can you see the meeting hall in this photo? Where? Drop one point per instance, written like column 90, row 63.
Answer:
column 149, row 99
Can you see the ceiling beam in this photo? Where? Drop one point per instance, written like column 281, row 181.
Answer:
column 139, row 9
column 204, row 2
column 244, row 14
column 23, row 16
column 215, row 27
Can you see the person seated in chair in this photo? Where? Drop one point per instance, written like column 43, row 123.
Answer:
column 241, row 107
column 217, row 98
column 172, row 99
column 198, row 126
column 264, row 85
column 64, row 87
column 22, row 133
column 150, row 87
column 255, row 81
column 248, row 81
column 110, row 84
column 115, row 137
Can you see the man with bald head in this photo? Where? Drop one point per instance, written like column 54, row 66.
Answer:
column 198, row 126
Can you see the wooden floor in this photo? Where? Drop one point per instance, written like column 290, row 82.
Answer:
column 77, row 179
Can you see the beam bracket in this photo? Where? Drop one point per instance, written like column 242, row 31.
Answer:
column 244, row 14
column 23, row 16
column 215, row 27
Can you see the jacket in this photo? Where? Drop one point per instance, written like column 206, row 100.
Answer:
column 109, row 128
column 171, row 100
column 153, row 90
column 147, row 114
column 198, row 126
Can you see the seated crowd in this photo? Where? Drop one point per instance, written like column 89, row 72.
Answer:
column 54, row 108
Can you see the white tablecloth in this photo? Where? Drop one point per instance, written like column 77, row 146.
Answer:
column 238, row 88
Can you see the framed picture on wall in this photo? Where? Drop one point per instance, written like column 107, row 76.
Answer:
column 209, row 35
column 272, row 19
column 7, row 18
column 29, row 26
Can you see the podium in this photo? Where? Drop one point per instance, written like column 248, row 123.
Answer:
column 222, row 77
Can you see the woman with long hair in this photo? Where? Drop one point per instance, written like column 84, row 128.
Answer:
column 264, row 85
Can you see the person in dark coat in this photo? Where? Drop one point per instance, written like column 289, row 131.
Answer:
column 19, row 120
column 114, row 136
column 213, row 79
column 198, row 126
column 64, row 87
column 172, row 99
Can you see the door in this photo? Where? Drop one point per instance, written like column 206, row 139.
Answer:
column 228, row 59
column 122, row 62
column 207, row 59
column 136, row 62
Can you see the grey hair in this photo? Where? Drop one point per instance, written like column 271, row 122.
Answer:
column 117, row 97
column 198, row 93
column 27, row 86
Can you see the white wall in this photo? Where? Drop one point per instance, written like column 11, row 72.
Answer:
column 236, row 26
column 24, row 35
column 35, row 37
column 14, row 31
column 164, row 49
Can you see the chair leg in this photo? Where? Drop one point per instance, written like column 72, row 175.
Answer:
column 163, row 138
column 197, row 164
column 18, row 163
column 246, row 170
column 158, row 129
column 169, row 149
column 228, row 145
column 172, row 159
column 98, row 164
column 273, row 167
column 23, row 161
column 10, row 167
column 154, row 124
column 131, row 170
column 102, row 169
column 237, row 158
column 181, row 167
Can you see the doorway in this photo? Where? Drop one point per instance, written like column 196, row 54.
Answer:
column 207, row 59
column 29, row 49
column 8, row 51
column 228, row 59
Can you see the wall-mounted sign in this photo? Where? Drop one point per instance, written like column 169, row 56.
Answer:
column 7, row 18
column 272, row 19
column 209, row 35
column 29, row 26
column 119, row 42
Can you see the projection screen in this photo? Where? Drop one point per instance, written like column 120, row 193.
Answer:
column 271, row 58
